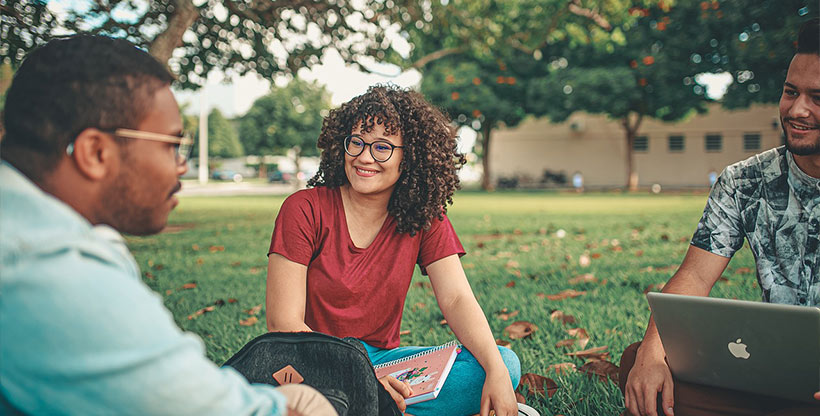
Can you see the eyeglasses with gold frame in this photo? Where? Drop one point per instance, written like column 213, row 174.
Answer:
column 183, row 145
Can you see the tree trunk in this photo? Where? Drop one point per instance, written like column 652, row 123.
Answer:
column 486, row 182
column 183, row 16
column 297, row 181
column 631, row 130
column 263, row 168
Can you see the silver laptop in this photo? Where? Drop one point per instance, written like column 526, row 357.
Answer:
column 756, row 347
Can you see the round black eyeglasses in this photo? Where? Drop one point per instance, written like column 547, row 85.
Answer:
column 381, row 150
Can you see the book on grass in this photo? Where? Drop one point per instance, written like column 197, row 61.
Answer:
column 425, row 371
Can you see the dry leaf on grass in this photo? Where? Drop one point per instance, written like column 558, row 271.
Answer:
column 569, row 293
column 502, row 343
column 214, row 249
column 597, row 353
column 236, row 264
column 596, row 255
column 232, row 300
column 743, row 270
column 654, row 287
column 601, row 368
column 562, row 367
column 188, row 286
column 503, row 315
column 557, row 315
column 520, row 398
column 202, row 311
column 442, row 322
column 512, row 264
column 564, row 343
column 255, row 310
column 583, row 261
column 537, row 384
column 520, row 329
column 639, row 253
column 583, row 278
column 581, row 335
column 511, row 283
column 405, row 332
column 249, row 322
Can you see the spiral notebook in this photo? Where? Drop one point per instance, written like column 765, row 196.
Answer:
column 425, row 371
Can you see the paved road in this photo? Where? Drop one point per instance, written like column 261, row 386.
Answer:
column 219, row 188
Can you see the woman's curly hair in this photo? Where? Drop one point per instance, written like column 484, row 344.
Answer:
column 430, row 163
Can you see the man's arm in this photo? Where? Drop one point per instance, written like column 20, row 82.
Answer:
column 650, row 375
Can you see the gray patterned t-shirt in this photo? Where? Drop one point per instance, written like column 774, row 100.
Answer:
column 776, row 206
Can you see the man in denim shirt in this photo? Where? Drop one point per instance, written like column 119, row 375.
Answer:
column 92, row 148
column 772, row 200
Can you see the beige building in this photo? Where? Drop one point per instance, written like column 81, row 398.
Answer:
column 674, row 155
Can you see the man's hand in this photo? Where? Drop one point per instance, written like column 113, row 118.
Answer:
column 498, row 395
column 649, row 376
column 817, row 396
column 399, row 390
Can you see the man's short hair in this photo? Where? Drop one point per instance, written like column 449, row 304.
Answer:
column 71, row 84
column 808, row 41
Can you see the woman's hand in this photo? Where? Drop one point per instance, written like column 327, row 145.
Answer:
column 817, row 396
column 399, row 390
column 498, row 395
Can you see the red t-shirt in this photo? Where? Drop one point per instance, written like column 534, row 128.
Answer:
column 351, row 291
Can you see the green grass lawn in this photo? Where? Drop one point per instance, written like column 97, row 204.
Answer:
column 514, row 259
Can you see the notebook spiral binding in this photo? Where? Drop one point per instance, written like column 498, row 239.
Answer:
column 418, row 354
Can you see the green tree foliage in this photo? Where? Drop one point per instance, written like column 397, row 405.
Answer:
column 478, row 56
column 289, row 118
column 653, row 74
column 755, row 41
column 195, row 37
column 223, row 140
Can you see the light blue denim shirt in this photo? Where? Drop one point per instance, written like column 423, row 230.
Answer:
column 80, row 333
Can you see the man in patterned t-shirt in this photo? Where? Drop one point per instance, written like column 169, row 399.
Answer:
column 772, row 200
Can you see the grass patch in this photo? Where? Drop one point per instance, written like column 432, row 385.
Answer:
column 515, row 257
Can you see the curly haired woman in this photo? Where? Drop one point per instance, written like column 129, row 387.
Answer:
column 343, row 252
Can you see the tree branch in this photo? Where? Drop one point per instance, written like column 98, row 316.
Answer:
column 421, row 62
column 184, row 15
column 575, row 8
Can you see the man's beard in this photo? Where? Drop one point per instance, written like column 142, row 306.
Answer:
column 803, row 149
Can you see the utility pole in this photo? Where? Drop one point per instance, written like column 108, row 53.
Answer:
column 203, row 136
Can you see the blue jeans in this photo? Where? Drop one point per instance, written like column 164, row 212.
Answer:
column 461, row 394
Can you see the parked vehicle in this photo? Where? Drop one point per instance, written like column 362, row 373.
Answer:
column 227, row 175
column 277, row 176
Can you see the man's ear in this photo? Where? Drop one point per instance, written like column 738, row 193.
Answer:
column 96, row 153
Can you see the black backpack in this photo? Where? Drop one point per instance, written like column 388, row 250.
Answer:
column 338, row 367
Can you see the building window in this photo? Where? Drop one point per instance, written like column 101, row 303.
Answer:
column 751, row 142
column 640, row 144
column 714, row 142
column 676, row 143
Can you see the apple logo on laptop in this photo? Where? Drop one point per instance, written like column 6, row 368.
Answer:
column 738, row 349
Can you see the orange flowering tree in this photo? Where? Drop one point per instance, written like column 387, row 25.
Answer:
column 654, row 72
